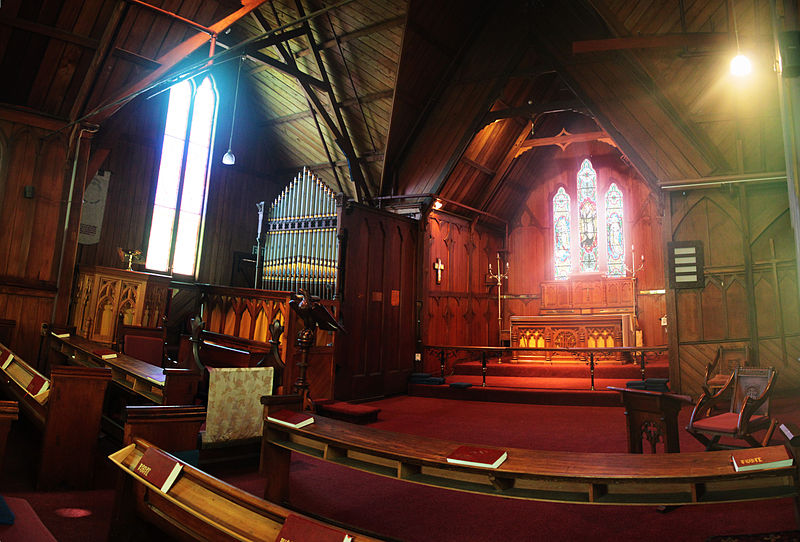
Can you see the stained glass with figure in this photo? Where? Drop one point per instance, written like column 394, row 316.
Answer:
column 587, row 217
column 615, row 237
column 561, row 236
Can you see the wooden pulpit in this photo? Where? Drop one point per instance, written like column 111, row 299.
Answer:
column 652, row 415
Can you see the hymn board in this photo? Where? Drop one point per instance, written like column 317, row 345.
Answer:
column 300, row 248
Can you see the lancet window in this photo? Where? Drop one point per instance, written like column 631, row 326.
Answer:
column 592, row 247
column 178, row 210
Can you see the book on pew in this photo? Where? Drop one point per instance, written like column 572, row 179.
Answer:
column 5, row 357
column 473, row 456
column 299, row 529
column 158, row 468
column 772, row 457
column 105, row 353
column 37, row 385
column 291, row 418
column 60, row 335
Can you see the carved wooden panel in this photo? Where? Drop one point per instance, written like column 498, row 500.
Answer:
column 580, row 295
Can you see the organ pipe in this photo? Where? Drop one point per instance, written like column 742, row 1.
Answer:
column 299, row 238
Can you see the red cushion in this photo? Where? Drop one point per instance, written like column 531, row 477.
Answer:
column 149, row 349
column 726, row 423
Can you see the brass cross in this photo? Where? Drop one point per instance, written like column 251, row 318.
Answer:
column 439, row 266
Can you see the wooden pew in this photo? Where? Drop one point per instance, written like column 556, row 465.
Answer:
column 556, row 476
column 68, row 415
column 155, row 384
column 9, row 411
column 197, row 507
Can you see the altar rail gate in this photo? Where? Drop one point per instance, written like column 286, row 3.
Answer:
column 298, row 247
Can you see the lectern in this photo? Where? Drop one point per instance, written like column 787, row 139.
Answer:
column 652, row 415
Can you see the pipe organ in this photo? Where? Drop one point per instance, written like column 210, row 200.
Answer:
column 300, row 248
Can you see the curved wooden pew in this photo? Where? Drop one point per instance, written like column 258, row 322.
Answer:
column 197, row 507
column 555, row 476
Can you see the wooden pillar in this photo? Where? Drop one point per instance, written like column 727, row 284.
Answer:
column 72, row 219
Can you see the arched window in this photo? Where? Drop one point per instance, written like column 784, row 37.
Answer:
column 561, row 235
column 587, row 198
column 176, row 226
column 590, row 244
column 615, row 238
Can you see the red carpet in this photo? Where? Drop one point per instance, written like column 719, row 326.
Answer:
column 417, row 513
column 410, row 512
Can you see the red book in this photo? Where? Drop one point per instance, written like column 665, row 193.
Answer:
column 300, row 529
column 158, row 468
column 105, row 353
column 772, row 457
column 291, row 418
column 477, row 457
column 37, row 385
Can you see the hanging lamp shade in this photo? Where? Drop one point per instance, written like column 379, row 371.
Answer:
column 229, row 158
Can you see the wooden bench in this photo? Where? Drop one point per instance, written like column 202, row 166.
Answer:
column 198, row 506
column 67, row 412
column 155, row 384
column 9, row 412
column 556, row 476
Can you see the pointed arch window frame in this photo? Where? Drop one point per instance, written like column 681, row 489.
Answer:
column 178, row 211
column 613, row 242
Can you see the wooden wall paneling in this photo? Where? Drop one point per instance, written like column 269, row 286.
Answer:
column 19, row 212
column 712, row 309
column 42, row 260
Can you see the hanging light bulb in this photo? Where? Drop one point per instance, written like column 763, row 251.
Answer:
column 740, row 64
column 229, row 158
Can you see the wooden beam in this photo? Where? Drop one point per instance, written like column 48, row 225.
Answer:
column 564, row 139
column 475, row 165
column 532, row 110
column 99, row 59
column 137, row 59
column 695, row 40
column 349, row 36
column 494, row 184
column 350, row 102
column 170, row 60
column 49, row 31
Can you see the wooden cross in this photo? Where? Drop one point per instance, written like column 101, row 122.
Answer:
column 439, row 266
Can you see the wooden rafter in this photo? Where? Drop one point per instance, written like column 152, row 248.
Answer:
column 350, row 102
column 533, row 110
column 563, row 140
column 169, row 60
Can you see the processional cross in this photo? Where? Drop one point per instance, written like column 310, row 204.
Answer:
column 499, row 277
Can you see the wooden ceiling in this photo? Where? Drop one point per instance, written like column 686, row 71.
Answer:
column 459, row 99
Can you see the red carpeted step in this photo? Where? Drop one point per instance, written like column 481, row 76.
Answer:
column 562, row 370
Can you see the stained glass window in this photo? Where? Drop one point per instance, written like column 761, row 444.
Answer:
column 587, row 217
column 182, row 178
column 615, row 245
column 563, row 260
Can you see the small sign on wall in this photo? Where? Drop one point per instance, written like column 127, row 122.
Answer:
column 686, row 264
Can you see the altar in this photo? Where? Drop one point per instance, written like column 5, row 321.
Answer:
column 582, row 312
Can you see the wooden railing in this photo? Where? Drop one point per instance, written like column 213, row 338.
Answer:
column 448, row 355
column 248, row 313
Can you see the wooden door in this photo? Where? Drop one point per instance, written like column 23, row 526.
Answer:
column 378, row 251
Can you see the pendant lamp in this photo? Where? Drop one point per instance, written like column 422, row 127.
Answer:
column 229, row 158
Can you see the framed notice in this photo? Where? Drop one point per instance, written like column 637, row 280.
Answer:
column 685, row 264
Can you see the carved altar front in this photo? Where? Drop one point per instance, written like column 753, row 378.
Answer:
column 103, row 292
column 588, row 311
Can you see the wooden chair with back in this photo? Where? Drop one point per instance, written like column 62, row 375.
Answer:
column 144, row 343
column 721, row 369
column 747, row 392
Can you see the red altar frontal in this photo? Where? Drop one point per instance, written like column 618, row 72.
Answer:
column 583, row 312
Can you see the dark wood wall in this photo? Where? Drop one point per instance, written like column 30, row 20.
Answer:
column 749, row 295
column 378, row 253
column 462, row 309
column 31, row 229
column 531, row 232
